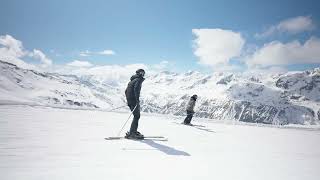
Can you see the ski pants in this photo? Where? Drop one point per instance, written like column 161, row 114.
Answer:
column 136, row 116
column 187, row 120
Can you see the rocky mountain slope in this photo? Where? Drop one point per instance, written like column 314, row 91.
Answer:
column 273, row 99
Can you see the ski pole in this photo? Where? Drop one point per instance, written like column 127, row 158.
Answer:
column 127, row 120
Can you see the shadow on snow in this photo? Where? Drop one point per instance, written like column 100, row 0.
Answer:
column 163, row 148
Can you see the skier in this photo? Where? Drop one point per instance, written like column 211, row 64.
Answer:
column 190, row 111
column 132, row 95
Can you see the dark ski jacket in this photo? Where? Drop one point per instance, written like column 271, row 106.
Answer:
column 133, row 89
column 191, row 104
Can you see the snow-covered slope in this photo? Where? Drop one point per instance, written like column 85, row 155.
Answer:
column 260, row 98
column 28, row 86
column 59, row 144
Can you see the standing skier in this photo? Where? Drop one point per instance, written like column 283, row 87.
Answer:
column 132, row 95
column 190, row 109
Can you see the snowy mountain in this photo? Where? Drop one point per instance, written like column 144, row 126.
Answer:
column 28, row 86
column 261, row 98
column 272, row 99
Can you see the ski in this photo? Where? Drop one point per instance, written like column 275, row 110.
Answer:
column 195, row 125
column 156, row 138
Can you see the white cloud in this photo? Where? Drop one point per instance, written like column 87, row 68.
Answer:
column 107, row 52
column 13, row 46
column 215, row 47
column 161, row 66
column 11, row 50
column 37, row 54
column 267, row 70
column 79, row 63
column 278, row 53
column 113, row 74
column 292, row 25
column 85, row 53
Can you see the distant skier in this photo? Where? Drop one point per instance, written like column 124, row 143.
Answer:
column 190, row 109
column 132, row 95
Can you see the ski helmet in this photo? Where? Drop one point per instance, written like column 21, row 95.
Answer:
column 194, row 96
column 140, row 72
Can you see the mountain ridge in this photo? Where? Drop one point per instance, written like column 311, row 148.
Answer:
column 289, row 98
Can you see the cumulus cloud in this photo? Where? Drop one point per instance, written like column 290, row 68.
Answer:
column 278, row 53
column 215, row 47
column 79, row 63
column 293, row 25
column 37, row 54
column 13, row 46
column 11, row 50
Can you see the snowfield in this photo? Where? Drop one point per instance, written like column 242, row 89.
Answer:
column 40, row 143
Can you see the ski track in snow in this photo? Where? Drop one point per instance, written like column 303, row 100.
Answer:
column 39, row 143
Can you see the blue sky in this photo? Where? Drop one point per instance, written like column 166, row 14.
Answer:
column 151, row 32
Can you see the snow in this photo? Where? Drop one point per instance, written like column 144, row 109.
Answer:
column 39, row 143
column 291, row 98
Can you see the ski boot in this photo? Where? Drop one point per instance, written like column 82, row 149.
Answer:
column 134, row 135
column 139, row 135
